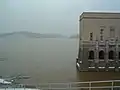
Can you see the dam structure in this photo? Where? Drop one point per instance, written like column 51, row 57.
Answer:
column 99, row 42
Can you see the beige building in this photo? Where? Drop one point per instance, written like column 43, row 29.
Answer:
column 99, row 47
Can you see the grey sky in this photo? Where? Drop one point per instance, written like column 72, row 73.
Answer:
column 48, row 16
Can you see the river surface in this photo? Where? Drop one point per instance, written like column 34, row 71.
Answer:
column 44, row 60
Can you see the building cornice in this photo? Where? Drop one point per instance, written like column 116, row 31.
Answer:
column 100, row 15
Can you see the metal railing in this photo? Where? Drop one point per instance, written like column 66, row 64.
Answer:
column 90, row 85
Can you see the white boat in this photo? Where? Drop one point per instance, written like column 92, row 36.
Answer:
column 7, row 85
column 3, row 81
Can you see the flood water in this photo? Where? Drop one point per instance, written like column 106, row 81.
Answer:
column 44, row 60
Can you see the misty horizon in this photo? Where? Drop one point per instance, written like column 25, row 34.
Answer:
column 49, row 16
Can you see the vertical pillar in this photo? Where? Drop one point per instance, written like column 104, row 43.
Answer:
column 79, row 53
column 96, row 55
column 106, row 51
column 97, row 52
column 116, row 50
column 117, row 55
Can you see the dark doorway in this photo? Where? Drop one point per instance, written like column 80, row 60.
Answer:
column 91, row 55
column 119, row 55
column 101, row 54
column 111, row 54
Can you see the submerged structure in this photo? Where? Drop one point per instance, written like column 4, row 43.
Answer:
column 99, row 42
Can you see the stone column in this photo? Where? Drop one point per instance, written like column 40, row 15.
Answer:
column 117, row 55
column 106, row 51
column 96, row 52
column 116, row 50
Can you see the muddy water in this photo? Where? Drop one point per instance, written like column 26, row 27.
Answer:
column 44, row 60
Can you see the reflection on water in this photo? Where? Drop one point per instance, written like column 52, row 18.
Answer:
column 45, row 60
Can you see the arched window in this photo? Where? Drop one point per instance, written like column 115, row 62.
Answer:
column 119, row 55
column 101, row 54
column 91, row 55
column 111, row 54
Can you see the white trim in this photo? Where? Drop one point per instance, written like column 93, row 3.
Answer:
column 101, row 67
column 91, row 67
column 111, row 67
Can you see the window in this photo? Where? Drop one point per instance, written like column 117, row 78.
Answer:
column 101, row 54
column 101, row 31
column 111, row 54
column 101, row 38
column 91, row 36
column 112, row 32
column 101, row 34
column 91, row 55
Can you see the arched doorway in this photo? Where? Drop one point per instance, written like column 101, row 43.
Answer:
column 91, row 54
column 101, row 54
column 111, row 54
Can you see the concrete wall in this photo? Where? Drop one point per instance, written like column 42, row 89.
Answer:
column 94, row 22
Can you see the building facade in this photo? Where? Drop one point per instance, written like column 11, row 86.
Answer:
column 99, row 42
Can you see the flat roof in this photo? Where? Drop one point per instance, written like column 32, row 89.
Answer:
column 100, row 15
column 97, row 12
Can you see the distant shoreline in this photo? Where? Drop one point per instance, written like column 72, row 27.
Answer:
column 36, row 35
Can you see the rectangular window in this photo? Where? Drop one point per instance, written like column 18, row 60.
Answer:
column 91, row 36
column 101, row 38
column 101, row 34
column 112, row 32
column 101, row 31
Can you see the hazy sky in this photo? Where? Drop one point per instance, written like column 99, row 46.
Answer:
column 48, row 16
